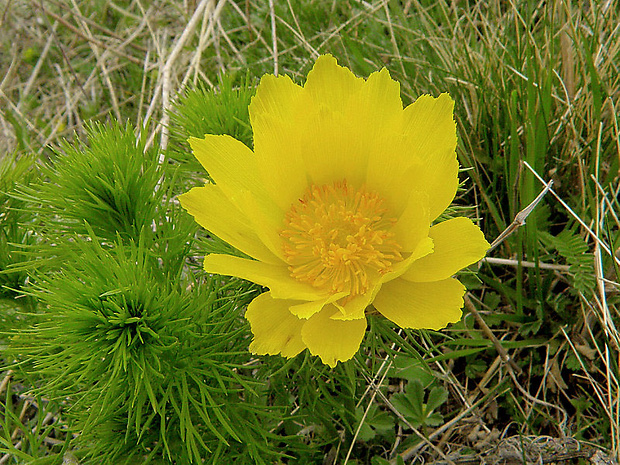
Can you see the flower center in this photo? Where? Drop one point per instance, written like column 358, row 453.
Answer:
column 338, row 238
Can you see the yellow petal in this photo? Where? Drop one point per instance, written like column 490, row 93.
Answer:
column 275, row 329
column 378, row 103
column 355, row 308
column 276, row 96
column 350, row 120
column 458, row 243
column 429, row 124
column 301, row 135
column 276, row 278
column 439, row 177
column 229, row 163
column 331, row 85
column 306, row 309
column 331, row 150
column 413, row 224
column 214, row 212
column 375, row 111
column 431, row 133
column 277, row 114
column 430, row 305
column 345, row 120
column 424, row 248
column 266, row 219
column 234, row 169
column 422, row 156
column 333, row 340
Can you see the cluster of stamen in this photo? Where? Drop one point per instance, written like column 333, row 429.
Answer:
column 338, row 238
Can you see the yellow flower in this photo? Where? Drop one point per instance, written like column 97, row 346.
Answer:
column 335, row 206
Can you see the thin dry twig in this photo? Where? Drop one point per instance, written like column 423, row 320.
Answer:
column 274, row 37
column 49, row 418
column 107, row 32
column 374, row 386
column 5, row 381
column 166, row 80
column 299, row 33
column 37, row 67
column 520, row 218
column 101, row 63
column 425, row 440
column 503, row 353
column 525, row 264
column 410, row 452
column 510, row 364
column 206, row 37
column 89, row 37
column 591, row 233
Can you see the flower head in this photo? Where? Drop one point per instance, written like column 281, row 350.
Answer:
column 336, row 206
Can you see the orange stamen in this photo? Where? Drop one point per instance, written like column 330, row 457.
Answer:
column 338, row 238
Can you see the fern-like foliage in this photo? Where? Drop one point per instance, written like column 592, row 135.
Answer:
column 576, row 252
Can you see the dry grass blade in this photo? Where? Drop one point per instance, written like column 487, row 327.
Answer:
column 166, row 80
